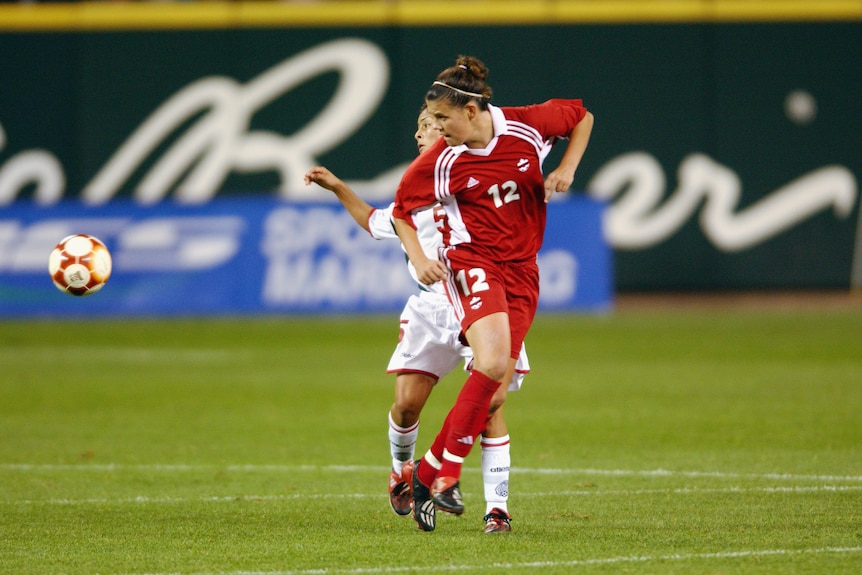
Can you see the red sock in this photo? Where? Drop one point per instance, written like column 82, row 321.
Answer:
column 428, row 470
column 426, row 473
column 436, row 448
column 466, row 421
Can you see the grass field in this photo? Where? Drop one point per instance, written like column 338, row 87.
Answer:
column 665, row 441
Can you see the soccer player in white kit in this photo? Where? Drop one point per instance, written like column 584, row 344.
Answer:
column 429, row 346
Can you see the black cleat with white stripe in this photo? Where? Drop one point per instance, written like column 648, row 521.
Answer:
column 424, row 511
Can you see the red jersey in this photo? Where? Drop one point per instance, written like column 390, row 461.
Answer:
column 494, row 197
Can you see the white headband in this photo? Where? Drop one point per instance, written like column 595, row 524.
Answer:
column 460, row 91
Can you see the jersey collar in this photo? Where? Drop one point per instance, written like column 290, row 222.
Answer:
column 498, row 121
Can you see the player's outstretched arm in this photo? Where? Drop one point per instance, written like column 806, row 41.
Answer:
column 358, row 208
column 428, row 271
column 562, row 177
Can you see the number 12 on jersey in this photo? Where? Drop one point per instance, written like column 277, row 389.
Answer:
column 509, row 193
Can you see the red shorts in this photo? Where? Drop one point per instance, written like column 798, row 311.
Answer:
column 478, row 288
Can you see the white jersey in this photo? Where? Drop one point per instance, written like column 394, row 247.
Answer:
column 381, row 228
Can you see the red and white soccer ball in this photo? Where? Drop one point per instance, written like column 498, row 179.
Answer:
column 80, row 265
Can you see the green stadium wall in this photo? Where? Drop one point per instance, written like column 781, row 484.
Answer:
column 726, row 143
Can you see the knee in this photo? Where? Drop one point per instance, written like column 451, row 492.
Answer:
column 405, row 413
column 411, row 393
column 499, row 399
column 494, row 370
column 495, row 405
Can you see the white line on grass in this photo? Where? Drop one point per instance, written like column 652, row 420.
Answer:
column 378, row 469
column 306, row 496
column 549, row 564
column 697, row 490
column 695, row 474
column 140, row 355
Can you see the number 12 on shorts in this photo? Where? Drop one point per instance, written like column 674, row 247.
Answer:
column 474, row 283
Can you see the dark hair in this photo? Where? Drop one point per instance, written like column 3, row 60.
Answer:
column 461, row 83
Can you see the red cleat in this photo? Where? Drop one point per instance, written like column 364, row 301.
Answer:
column 498, row 521
column 401, row 490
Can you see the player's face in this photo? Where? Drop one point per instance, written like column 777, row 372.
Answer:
column 455, row 122
column 427, row 131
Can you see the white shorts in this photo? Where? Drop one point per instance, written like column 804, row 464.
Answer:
column 429, row 341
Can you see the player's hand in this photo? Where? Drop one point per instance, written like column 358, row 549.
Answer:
column 558, row 181
column 430, row 271
column 322, row 177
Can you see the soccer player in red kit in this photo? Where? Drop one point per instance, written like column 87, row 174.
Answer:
column 487, row 174
column 429, row 346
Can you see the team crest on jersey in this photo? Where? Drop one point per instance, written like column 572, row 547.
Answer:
column 472, row 182
column 523, row 164
column 476, row 302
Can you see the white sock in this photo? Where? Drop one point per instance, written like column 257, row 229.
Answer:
column 495, row 472
column 402, row 443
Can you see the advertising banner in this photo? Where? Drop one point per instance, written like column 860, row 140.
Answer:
column 260, row 256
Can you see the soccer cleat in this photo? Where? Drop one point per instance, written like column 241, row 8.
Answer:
column 447, row 495
column 424, row 511
column 401, row 489
column 498, row 521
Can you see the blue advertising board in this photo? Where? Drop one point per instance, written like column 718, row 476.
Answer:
column 260, row 256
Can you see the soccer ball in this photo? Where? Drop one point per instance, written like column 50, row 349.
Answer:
column 80, row 265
